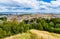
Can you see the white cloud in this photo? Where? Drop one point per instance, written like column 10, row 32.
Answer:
column 33, row 4
column 55, row 3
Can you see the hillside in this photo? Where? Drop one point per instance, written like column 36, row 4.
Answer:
column 45, row 34
column 20, row 36
column 39, row 35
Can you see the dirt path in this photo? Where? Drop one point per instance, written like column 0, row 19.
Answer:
column 45, row 35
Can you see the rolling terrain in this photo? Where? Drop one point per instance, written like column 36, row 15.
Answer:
column 35, row 34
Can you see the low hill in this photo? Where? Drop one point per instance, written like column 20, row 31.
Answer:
column 35, row 34
column 45, row 34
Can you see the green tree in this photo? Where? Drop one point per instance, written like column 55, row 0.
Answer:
column 21, row 25
column 38, row 20
column 55, row 20
column 45, row 26
column 57, row 25
column 4, row 18
column 40, row 27
column 34, row 25
column 51, row 24
column 1, row 33
column 26, row 27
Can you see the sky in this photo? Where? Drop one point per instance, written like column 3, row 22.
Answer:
column 42, row 6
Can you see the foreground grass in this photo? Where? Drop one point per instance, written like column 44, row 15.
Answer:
column 45, row 34
column 35, row 34
column 20, row 36
column 23, row 36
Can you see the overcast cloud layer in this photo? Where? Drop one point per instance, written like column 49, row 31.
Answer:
column 53, row 6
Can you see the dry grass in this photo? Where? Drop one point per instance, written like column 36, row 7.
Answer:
column 45, row 34
column 35, row 34
column 20, row 36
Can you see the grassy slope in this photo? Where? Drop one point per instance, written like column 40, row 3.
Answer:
column 45, row 34
column 39, row 35
column 20, row 36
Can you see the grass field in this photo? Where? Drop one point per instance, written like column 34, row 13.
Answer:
column 35, row 34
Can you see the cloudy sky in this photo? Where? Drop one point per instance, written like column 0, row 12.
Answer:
column 45, row 6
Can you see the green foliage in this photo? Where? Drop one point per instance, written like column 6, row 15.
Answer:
column 3, row 18
column 8, row 28
column 38, row 20
column 40, row 27
column 34, row 26
column 1, row 33
column 57, row 25
column 26, row 21
column 55, row 20
column 51, row 24
column 26, row 27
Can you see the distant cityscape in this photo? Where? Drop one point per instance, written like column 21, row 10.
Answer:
column 20, row 17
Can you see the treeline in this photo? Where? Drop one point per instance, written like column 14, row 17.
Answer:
column 8, row 28
column 52, row 25
column 3, row 18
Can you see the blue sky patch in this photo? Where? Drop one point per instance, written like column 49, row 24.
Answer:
column 46, row 0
